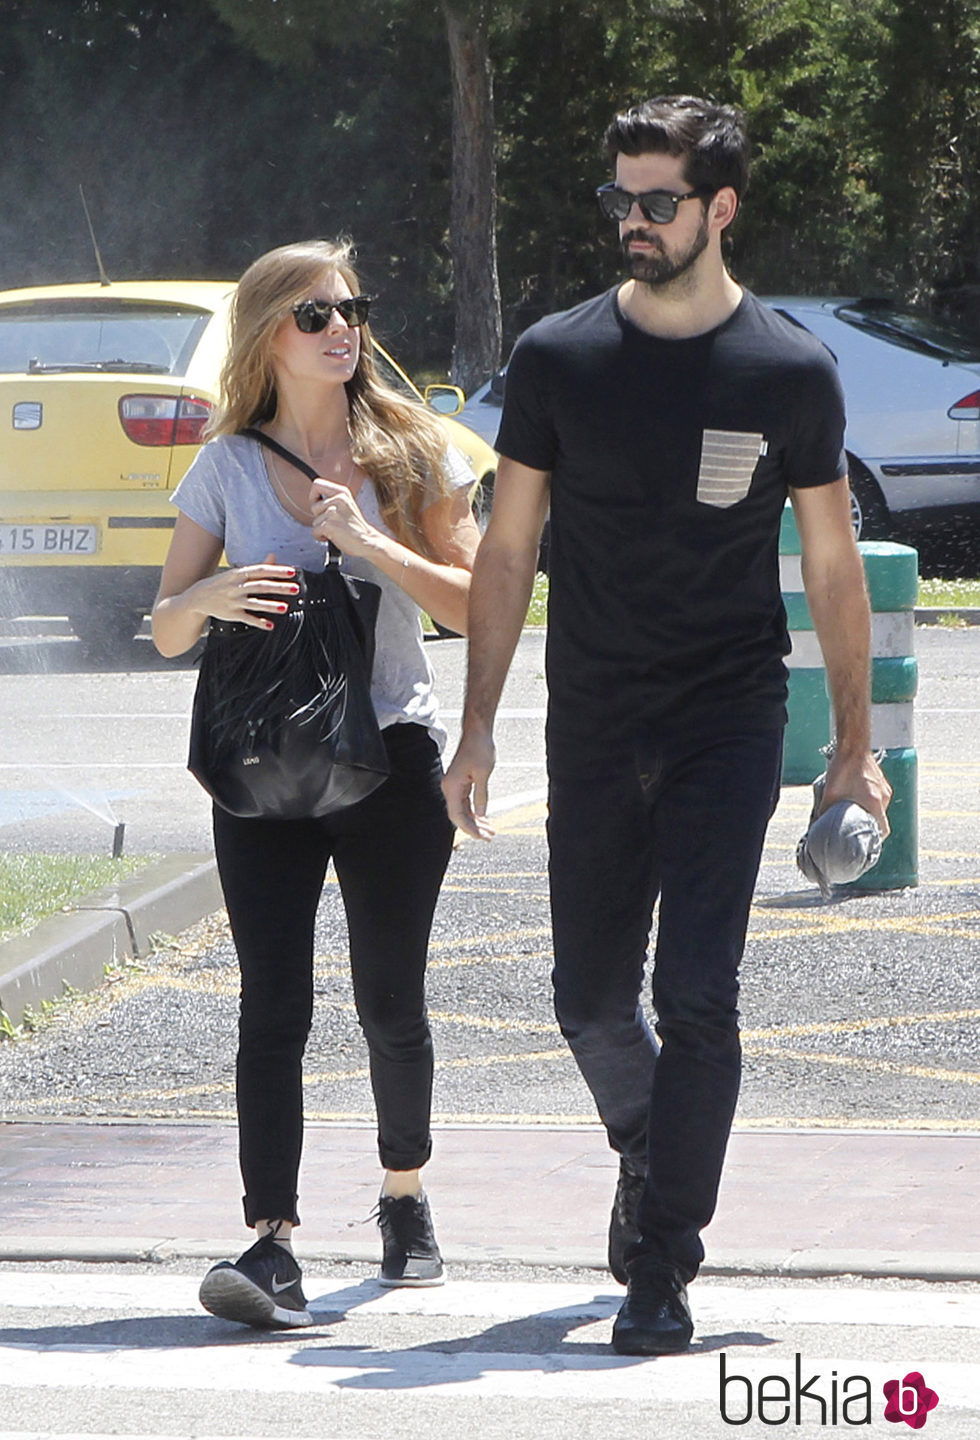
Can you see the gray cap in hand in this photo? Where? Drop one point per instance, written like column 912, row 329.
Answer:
column 839, row 846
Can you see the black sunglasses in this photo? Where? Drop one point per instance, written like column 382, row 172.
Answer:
column 657, row 206
column 312, row 316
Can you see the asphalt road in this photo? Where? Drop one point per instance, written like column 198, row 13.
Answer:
column 858, row 1012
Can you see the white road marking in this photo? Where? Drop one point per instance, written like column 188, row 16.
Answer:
column 578, row 1366
column 713, row 1305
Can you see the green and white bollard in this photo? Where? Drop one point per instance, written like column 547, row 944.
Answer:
column 892, row 573
column 809, row 726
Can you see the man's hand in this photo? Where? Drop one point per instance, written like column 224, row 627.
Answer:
column 465, row 785
column 858, row 777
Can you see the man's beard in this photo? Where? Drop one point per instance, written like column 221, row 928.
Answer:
column 661, row 268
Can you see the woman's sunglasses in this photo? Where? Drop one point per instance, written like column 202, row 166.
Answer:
column 657, row 206
column 312, row 316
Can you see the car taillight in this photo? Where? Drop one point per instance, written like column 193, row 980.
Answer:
column 164, row 419
column 966, row 409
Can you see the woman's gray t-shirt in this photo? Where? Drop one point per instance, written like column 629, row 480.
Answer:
column 227, row 492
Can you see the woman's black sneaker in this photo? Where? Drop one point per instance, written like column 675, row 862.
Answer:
column 262, row 1288
column 411, row 1255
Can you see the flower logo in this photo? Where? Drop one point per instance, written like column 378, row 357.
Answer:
column 909, row 1400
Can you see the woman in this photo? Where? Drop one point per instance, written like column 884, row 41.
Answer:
column 396, row 502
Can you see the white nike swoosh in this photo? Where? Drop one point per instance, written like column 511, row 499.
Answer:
column 279, row 1285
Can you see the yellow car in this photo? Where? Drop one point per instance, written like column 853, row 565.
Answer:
column 105, row 393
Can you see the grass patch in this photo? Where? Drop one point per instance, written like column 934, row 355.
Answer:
column 35, row 886
column 939, row 594
column 537, row 611
column 933, row 594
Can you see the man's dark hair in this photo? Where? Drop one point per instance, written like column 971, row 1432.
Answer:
column 711, row 138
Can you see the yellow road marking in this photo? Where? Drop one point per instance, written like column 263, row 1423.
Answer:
column 563, row 1120
column 529, row 932
column 326, row 1077
column 750, row 1039
column 853, row 1027
column 855, row 1062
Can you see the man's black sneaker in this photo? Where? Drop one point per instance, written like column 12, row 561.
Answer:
column 263, row 1288
column 654, row 1319
column 623, row 1230
column 411, row 1255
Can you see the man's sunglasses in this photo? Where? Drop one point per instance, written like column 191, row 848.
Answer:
column 312, row 316
column 657, row 206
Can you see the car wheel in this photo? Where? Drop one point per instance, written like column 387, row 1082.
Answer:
column 106, row 630
column 869, row 513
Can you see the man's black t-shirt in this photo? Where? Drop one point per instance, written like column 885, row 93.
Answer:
column 670, row 462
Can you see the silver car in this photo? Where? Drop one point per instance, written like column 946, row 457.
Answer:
column 912, row 388
column 482, row 410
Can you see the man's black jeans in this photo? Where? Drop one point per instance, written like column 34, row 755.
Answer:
column 390, row 852
column 686, row 819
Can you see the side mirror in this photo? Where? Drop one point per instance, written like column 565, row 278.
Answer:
column 445, row 399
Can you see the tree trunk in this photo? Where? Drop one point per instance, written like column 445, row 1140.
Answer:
column 473, row 208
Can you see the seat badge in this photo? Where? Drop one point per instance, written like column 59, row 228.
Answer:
column 27, row 415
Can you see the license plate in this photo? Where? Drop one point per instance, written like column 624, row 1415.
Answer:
column 49, row 539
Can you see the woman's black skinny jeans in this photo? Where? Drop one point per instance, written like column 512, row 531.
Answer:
column 390, row 852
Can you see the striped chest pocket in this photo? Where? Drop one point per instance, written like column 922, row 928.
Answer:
column 728, row 461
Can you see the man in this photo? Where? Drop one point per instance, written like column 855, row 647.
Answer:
column 665, row 421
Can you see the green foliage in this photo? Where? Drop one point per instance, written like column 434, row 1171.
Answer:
column 205, row 134
column 32, row 1020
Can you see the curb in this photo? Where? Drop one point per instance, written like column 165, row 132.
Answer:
column 941, row 1267
column 112, row 926
column 970, row 615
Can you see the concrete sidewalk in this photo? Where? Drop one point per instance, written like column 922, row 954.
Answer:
column 793, row 1202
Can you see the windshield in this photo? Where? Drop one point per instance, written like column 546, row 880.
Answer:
column 98, row 335
column 392, row 376
column 913, row 331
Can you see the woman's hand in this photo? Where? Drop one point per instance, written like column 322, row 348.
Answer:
column 337, row 517
column 439, row 581
column 247, row 594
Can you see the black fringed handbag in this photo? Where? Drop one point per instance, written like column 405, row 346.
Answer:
column 282, row 725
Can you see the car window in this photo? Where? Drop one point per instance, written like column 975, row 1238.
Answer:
column 913, row 331
column 100, row 335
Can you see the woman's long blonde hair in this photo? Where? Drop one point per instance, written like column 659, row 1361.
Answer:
column 393, row 439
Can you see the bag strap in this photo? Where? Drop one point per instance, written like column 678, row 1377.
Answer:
column 334, row 555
